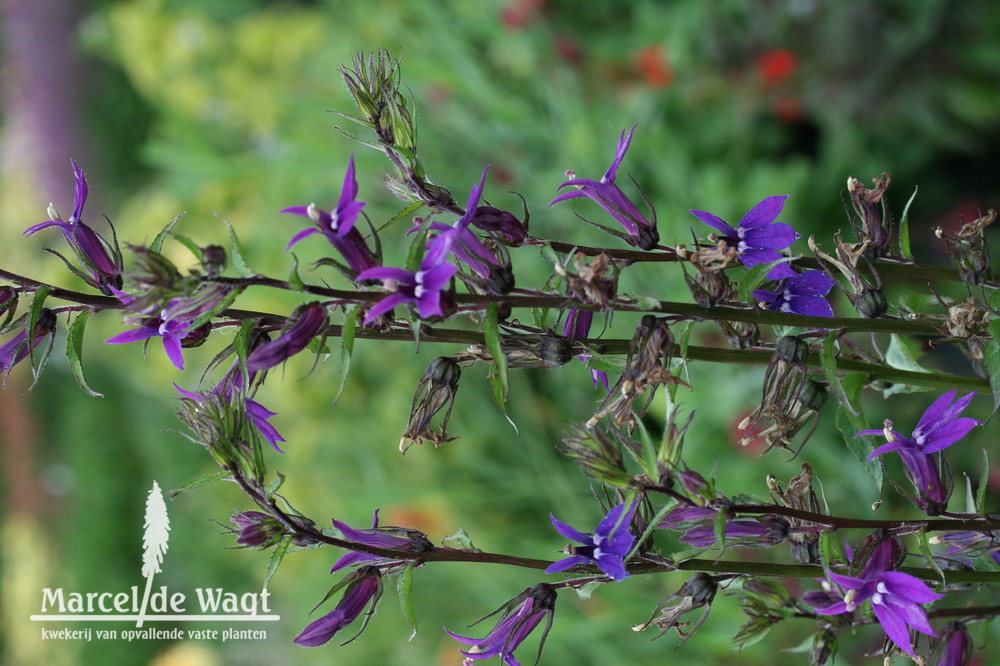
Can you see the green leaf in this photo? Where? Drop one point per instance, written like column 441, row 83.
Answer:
column 918, row 302
column 647, row 304
column 276, row 556
column 462, row 538
column 984, row 477
column 74, row 352
column 236, row 251
column 904, row 228
column 347, row 348
column 828, row 361
column 491, row 331
column 925, row 550
column 757, row 276
column 720, row 531
column 406, row 212
column 242, row 340
column 275, row 485
column 992, row 359
column 850, row 424
column 404, row 586
column 157, row 243
column 585, row 591
column 902, row 353
column 200, row 482
column 415, row 254
column 294, row 281
column 188, row 243
column 993, row 299
column 34, row 312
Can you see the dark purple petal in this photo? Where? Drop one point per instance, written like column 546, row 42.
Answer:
column 437, row 278
column 385, row 305
column 296, row 210
column 569, row 563
column 305, row 233
column 623, row 144
column 64, row 227
column 718, row 224
column 885, row 448
column 80, row 196
column 613, row 567
column 764, row 212
column 172, row 346
column 775, row 236
column 894, row 626
column 811, row 283
column 809, row 306
column 400, row 275
column 765, row 295
column 945, row 436
column 572, row 194
column 473, row 202
column 570, row 532
column 134, row 335
column 909, row 587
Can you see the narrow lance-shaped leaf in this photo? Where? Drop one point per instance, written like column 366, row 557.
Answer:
column 904, row 228
column 276, row 556
column 236, row 251
column 74, row 352
column 346, row 348
column 404, row 586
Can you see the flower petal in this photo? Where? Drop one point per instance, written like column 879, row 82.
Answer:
column 717, row 223
column 764, row 212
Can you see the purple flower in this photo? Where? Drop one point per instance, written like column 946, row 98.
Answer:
column 364, row 588
column 101, row 258
column 172, row 331
column 17, row 348
column 310, row 322
column 606, row 547
column 801, row 295
column 502, row 223
column 338, row 225
column 423, row 287
column 398, row 538
column 941, row 426
column 578, row 323
column 758, row 237
column 459, row 241
column 609, row 196
column 257, row 414
column 895, row 597
column 257, row 529
column 957, row 644
column 521, row 615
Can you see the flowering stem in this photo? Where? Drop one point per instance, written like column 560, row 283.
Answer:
column 977, row 524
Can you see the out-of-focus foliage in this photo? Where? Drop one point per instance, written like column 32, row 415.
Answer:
column 734, row 101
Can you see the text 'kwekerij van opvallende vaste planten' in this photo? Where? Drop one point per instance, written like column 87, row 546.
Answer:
column 920, row 583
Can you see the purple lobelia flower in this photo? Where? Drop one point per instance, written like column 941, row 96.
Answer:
column 338, row 225
column 102, row 259
column 606, row 547
column 309, row 323
column 364, row 587
column 423, row 287
column 757, row 237
column 460, row 242
column 172, row 331
column 520, row 617
column 397, row 538
column 940, row 426
column 801, row 295
column 894, row 596
column 956, row 645
column 17, row 348
column 578, row 323
column 609, row 196
column 257, row 414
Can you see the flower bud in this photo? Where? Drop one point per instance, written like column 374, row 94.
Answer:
column 871, row 303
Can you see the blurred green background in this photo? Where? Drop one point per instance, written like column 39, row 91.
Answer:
column 223, row 106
